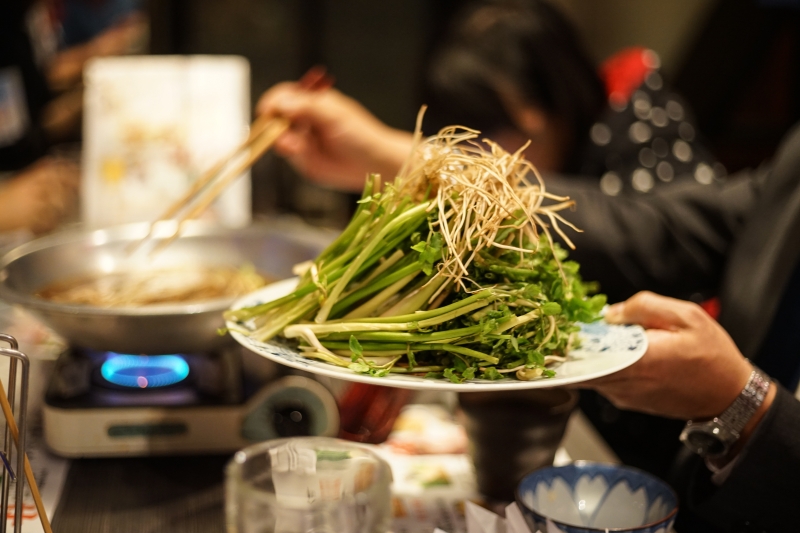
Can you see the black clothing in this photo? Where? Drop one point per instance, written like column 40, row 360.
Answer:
column 784, row 337
column 761, row 493
column 680, row 240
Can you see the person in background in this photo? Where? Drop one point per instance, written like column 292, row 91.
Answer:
column 41, row 98
column 81, row 30
column 516, row 71
column 37, row 191
column 734, row 237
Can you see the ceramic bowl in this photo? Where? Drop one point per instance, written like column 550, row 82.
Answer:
column 589, row 497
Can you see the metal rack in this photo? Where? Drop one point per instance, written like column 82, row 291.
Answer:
column 9, row 449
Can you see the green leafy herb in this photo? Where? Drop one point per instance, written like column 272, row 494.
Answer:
column 440, row 272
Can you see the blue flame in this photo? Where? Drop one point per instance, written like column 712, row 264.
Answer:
column 144, row 371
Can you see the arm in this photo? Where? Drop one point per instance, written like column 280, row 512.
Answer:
column 39, row 197
column 762, row 486
column 693, row 370
column 333, row 139
column 66, row 68
column 673, row 241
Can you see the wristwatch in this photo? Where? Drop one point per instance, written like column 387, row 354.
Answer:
column 714, row 438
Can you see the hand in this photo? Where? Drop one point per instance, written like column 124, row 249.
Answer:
column 39, row 197
column 692, row 368
column 126, row 36
column 333, row 139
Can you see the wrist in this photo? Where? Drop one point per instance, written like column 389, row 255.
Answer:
column 721, row 438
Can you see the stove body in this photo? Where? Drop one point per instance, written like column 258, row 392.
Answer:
column 108, row 404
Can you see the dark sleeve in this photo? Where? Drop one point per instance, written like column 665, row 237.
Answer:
column 672, row 241
column 761, row 491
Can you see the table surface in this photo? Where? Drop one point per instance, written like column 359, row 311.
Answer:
column 172, row 494
column 185, row 493
column 143, row 495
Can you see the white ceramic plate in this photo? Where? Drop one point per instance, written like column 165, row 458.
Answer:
column 605, row 349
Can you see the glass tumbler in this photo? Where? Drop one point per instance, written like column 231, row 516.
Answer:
column 307, row 485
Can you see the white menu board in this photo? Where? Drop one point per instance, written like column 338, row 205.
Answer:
column 154, row 124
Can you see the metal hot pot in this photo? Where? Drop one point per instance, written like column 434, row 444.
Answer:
column 273, row 247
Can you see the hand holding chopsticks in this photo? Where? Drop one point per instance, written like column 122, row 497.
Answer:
column 264, row 131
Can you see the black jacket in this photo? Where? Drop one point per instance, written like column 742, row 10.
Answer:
column 738, row 239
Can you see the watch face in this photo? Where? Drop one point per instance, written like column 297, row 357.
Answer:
column 704, row 443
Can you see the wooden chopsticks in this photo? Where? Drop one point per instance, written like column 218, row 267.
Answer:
column 263, row 133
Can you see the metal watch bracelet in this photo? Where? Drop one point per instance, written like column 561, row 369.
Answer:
column 747, row 403
column 715, row 438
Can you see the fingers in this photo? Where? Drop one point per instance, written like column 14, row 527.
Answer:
column 306, row 112
column 273, row 100
column 289, row 144
column 656, row 312
column 292, row 101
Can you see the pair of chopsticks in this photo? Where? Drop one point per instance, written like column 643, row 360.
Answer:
column 37, row 498
column 263, row 133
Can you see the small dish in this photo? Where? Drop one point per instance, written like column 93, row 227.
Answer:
column 592, row 497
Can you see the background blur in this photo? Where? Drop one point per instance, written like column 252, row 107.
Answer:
column 737, row 63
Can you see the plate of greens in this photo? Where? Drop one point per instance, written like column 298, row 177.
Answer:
column 447, row 278
column 602, row 349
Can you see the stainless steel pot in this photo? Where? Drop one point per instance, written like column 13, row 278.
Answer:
column 272, row 246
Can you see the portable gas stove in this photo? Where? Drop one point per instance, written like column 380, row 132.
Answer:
column 110, row 404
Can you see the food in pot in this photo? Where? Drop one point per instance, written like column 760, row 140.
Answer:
column 189, row 284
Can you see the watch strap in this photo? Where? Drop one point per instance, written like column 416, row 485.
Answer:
column 745, row 405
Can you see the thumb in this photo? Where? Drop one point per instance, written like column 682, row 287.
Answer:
column 654, row 312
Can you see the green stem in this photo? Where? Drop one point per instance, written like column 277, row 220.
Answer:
column 399, row 221
column 362, row 214
column 378, row 270
column 363, row 325
column 456, row 349
column 384, row 282
column 368, row 307
column 400, row 336
column 417, row 299
column 516, row 321
column 327, row 358
column 416, row 370
column 358, row 222
column 298, row 311
column 366, row 346
column 485, row 294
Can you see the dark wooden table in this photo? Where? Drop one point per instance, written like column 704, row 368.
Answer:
column 143, row 495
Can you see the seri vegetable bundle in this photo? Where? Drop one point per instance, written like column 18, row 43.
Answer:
column 449, row 271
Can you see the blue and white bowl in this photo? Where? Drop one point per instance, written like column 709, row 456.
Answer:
column 590, row 497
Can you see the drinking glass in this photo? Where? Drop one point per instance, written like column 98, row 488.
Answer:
column 307, row 485
column 367, row 413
